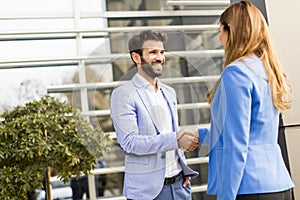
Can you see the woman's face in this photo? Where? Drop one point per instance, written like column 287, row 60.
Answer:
column 223, row 35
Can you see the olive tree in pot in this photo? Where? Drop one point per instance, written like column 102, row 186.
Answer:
column 45, row 134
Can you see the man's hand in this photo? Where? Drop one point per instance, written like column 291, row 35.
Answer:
column 187, row 140
column 186, row 181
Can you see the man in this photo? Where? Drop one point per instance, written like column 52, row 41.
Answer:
column 144, row 112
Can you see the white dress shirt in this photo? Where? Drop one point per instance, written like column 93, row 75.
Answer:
column 163, row 119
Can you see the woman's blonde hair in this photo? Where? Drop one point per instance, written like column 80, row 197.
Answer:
column 248, row 34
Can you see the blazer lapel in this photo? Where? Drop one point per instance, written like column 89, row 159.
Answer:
column 141, row 90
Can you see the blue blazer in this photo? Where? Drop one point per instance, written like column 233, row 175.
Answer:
column 140, row 139
column 244, row 156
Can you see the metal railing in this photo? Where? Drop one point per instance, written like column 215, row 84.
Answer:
column 60, row 61
column 121, row 14
column 111, row 85
column 196, row 3
column 203, row 27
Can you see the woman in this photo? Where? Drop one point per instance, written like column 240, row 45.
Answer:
column 245, row 159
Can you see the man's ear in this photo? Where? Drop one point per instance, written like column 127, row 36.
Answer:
column 136, row 57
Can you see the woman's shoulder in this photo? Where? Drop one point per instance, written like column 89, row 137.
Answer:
column 250, row 66
column 236, row 67
column 246, row 66
column 237, row 72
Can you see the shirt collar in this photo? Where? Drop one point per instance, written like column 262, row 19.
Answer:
column 146, row 83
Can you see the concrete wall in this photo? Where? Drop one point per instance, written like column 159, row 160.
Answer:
column 283, row 17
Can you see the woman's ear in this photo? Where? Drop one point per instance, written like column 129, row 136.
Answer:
column 136, row 58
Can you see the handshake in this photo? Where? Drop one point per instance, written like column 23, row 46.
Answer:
column 187, row 140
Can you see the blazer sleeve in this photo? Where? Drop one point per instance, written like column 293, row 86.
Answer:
column 124, row 113
column 236, row 86
column 203, row 135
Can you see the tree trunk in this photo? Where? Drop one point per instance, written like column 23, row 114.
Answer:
column 48, row 185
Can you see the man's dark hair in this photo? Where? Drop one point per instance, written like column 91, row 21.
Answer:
column 136, row 42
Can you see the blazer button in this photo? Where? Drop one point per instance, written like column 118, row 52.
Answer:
column 162, row 156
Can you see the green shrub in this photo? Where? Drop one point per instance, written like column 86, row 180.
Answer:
column 41, row 134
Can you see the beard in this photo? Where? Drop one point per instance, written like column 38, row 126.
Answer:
column 148, row 69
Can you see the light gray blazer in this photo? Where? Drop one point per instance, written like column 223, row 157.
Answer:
column 138, row 135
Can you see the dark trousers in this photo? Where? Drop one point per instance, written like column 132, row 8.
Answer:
column 284, row 195
column 80, row 187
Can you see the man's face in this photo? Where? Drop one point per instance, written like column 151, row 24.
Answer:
column 153, row 58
